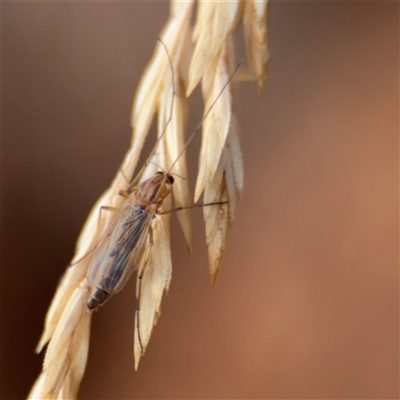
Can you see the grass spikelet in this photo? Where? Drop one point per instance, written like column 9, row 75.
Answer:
column 184, row 57
column 256, row 36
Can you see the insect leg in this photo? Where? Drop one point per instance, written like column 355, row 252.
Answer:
column 102, row 208
column 105, row 208
column 124, row 176
column 194, row 206
column 139, row 287
column 123, row 193
column 82, row 258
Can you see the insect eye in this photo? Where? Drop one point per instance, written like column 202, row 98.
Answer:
column 171, row 179
column 159, row 173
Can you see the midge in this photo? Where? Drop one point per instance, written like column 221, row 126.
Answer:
column 123, row 244
column 126, row 243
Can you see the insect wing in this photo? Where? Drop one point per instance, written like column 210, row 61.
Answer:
column 120, row 249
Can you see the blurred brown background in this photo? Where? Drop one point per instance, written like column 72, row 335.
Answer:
column 307, row 301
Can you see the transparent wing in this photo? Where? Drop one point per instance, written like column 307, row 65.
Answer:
column 120, row 248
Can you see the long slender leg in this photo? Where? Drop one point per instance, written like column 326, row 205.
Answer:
column 126, row 193
column 124, row 176
column 102, row 208
column 194, row 206
column 139, row 287
column 123, row 193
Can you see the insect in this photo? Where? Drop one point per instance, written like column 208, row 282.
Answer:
column 123, row 243
column 126, row 243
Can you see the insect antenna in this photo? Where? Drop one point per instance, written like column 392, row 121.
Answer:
column 179, row 176
column 156, row 165
column 193, row 134
column 191, row 137
column 139, row 174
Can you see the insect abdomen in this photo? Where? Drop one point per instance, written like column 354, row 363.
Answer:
column 98, row 297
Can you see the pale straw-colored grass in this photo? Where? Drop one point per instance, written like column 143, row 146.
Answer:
column 202, row 54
